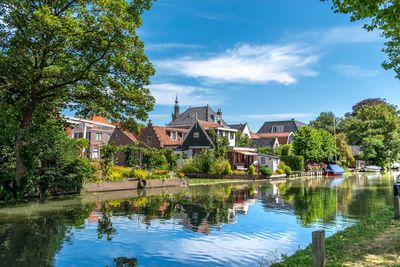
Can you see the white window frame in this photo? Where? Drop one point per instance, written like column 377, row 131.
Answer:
column 173, row 135
column 95, row 153
column 196, row 135
column 99, row 136
column 277, row 129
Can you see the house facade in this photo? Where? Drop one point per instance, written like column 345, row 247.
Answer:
column 289, row 126
column 243, row 127
column 161, row 136
column 121, row 137
column 97, row 130
column 273, row 133
column 197, row 138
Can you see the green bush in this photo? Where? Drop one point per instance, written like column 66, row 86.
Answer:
column 284, row 169
column 220, row 167
column 119, row 173
column 140, row 174
column 296, row 163
column 267, row 172
column 228, row 169
column 251, row 170
column 238, row 172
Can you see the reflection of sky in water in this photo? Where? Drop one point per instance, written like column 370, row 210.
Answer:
column 257, row 234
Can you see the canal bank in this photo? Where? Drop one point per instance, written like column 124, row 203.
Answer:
column 374, row 241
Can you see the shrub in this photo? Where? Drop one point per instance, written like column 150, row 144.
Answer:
column 160, row 172
column 191, row 166
column 251, row 170
column 119, row 173
column 228, row 169
column 296, row 163
column 206, row 159
column 140, row 174
column 267, row 172
column 284, row 169
column 220, row 167
column 238, row 172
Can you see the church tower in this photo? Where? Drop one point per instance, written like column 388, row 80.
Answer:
column 176, row 109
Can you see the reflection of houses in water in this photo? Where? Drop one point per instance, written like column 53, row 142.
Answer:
column 272, row 199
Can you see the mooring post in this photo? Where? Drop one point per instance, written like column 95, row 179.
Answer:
column 318, row 248
column 396, row 207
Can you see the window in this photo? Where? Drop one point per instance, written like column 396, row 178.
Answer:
column 196, row 135
column 98, row 136
column 95, row 153
column 173, row 135
column 231, row 135
column 149, row 139
column 277, row 129
column 262, row 160
column 116, row 136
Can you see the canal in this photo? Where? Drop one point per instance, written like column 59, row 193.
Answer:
column 238, row 224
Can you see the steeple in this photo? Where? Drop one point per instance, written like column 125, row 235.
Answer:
column 176, row 109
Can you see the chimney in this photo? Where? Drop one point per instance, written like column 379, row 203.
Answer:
column 219, row 112
column 207, row 108
column 150, row 123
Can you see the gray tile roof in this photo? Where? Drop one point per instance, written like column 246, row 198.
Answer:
column 239, row 127
column 263, row 142
column 288, row 126
column 191, row 115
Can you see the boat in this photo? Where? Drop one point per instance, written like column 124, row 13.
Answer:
column 333, row 170
column 372, row 168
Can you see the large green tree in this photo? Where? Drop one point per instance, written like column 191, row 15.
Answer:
column 314, row 144
column 84, row 55
column 382, row 15
column 326, row 121
column 377, row 129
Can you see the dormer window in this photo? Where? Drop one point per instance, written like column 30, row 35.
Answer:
column 277, row 129
column 173, row 135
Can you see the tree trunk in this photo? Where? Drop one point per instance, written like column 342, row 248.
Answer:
column 21, row 169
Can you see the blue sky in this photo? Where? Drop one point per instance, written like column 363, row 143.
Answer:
column 262, row 59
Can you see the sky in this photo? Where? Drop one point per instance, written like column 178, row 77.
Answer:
column 262, row 60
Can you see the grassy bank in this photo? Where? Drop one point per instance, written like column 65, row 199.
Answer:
column 374, row 241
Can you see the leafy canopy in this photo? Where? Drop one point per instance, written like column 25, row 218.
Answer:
column 382, row 15
column 84, row 55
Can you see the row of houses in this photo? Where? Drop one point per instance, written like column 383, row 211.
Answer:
column 187, row 134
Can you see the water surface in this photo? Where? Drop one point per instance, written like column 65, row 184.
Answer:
column 214, row 225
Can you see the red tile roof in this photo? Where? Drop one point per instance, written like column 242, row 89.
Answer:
column 282, row 137
column 130, row 136
column 254, row 135
column 164, row 138
column 209, row 124
column 100, row 119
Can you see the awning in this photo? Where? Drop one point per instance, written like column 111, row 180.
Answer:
column 246, row 153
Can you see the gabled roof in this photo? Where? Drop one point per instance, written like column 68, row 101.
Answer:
column 239, row 127
column 283, row 138
column 100, row 119
column 203, row 140
column 262, row 142
column 130, row 135
column 164, row 138
column 191, row 115
column 288, row 126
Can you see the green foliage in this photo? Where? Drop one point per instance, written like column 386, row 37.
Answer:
column 191, row 166
column 267, row 172
column 378, row 15
column 314, row 144
column 221, row 167
column 81, row 55
column 81, row 143
column 140, row 174
column 171, row 158
column 377, row 129
column 296, row 163
column 251, row 170
column 325, row 121
column 238, row 172
column 344, row 152
column 242, row 140
column 108, row 155
column 119, row 173
column 153, row 158
column 221, row 144
column 286, row 150
column 284, row 169
column 266, row 150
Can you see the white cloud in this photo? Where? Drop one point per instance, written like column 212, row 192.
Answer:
column 280, row 116
column 165, row 94
column 247, row 64
column 349, row 70
column 164, row 46
column 350, row 34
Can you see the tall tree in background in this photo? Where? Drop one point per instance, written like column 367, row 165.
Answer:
column 382, row 15
column 377, row 129
column 242, row 140
column 83, row 55
column 325, row 121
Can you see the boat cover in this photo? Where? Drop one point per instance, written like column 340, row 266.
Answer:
column 334, row 168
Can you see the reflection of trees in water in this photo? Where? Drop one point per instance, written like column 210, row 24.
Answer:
column 105, row 228
column 124, row 262
column 34, row 240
